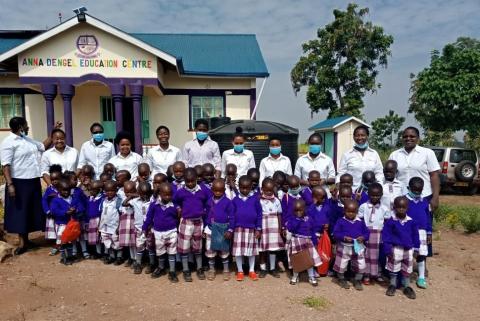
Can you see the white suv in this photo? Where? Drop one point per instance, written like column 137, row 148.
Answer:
column 459, row 168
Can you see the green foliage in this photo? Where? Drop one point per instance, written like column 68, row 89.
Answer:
column 472, row 142
column 441, row 138
column 453, row 215
column 316, row 302
column 446, row 95
column 386, row 130
column 340, row 66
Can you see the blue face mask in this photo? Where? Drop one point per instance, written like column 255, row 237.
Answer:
column 202, row 135
column 295, row 191
column 361, row 146
column 238, row 148
column 22, row 133
column 315, row 149
column 275, row 150
column 98, row 137
column 413, row 194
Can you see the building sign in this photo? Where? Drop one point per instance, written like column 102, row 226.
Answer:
column 74, row 54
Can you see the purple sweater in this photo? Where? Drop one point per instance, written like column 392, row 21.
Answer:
column 47, row 197
column 94, row 206
column 320, row 215
column 307, row 196
column 163, row 217
column 419, row 211
column 247, row 213
column 207, row 188
column 397, row 233
column 353, row 229
column 193, row 204
column 304, row 227
column 220, row 211
column 287, row 207
column 59, row 208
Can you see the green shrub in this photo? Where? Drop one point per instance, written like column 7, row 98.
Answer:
column 470, row 219
column 452, row 220
column 316, row 302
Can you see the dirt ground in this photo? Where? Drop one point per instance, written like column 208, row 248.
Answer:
column 35, row 286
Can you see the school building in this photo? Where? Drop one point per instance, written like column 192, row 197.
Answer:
column 85, row 70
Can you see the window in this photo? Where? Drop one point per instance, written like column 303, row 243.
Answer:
column 206, row 107
column 10, row 106
column 439, row 154
column 458, row 155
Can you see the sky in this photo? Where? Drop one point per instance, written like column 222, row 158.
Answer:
column 281, row 26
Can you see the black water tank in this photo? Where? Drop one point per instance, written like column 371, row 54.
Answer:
column 258, row 134
column 218, row 121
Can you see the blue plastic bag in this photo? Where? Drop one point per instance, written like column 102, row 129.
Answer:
column 219, row 243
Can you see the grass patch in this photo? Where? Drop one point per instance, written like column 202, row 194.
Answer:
column 454, row 216
column 316, row 302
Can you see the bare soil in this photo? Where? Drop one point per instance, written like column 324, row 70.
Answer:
column 35, row 286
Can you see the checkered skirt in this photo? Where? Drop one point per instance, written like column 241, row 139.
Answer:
column 166, row 242
column 244, row 242
column 50, row 233
column 190, row 236
column 126, row 230
column 400, row 260
column 372, row 252
column 110, row 241
column 145, row 241
column 298, row 244
column 345, row 254
column 271, row 239
column 93, row 234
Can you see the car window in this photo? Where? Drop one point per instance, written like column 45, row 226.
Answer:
column 459, row 155
column 439, row 154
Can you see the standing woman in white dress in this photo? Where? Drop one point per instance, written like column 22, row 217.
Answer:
column 360, row 158
column 163, row 155
column 20, row 158
column 238, row 155
column 59, row 154
column 125, row 158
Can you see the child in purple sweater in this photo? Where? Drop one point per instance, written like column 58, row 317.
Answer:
column 302, row 229
column 246, row 227
column 400, row 238
column 50, row 193
column 314, row 179
column 94, row 209
column 361, row 193
column 219, row 219
column 162, row 217
column 419, row 211
column 351, row 233
column 193, row 201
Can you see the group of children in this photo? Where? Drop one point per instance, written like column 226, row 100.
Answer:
column 187, row 213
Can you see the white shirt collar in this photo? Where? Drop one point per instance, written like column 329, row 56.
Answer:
column 103, row 143
column 320, row 155
column 406, row 219
column 275, row 159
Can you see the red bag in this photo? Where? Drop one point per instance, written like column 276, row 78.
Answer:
column 72, row 231
column 324, row 248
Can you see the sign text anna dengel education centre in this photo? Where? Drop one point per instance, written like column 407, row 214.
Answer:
column 87, row 63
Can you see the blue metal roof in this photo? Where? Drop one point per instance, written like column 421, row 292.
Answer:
column 329, row 123
column 228, row 55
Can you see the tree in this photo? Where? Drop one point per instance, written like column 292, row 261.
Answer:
column 340, row 67
column 386, row 128
column 440, row 138
column 446, row 95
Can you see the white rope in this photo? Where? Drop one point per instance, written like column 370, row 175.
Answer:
column 258, row 99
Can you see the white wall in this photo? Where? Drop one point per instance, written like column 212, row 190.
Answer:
column 238, row 107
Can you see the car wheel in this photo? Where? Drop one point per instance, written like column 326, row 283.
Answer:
column 465, row 171
column 472, row 190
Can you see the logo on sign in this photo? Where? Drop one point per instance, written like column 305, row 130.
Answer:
column 87, row 45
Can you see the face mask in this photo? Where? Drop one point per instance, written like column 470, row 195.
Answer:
column 238, row 148
column 295, row 191
column 413, row 194
column 361, row 146
column 275, row 150
column 271, row 197
column 314, row 149
column 202, row 135
column 22, row 133
column 98, row 137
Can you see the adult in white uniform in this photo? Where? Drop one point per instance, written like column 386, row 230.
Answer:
column 360, row 158
column 238, row 155
column 275, row 161
column 163, row 155
column 125, row 158
column 59, row 154
column 97, row 151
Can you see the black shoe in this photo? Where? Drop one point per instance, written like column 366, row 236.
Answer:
column 172, row 276
column 187, row 276
column 95, row 256
column 137, row 268
column 158, row 273
column 66, row 261
column 109, row 260
column 119, row 261
column 262, row 274
column 128, row 263
column 358, row 285
column 409, row 293
column 20, row 250
column 391, row 290
column 343, row 284
column 200, row 274
column 275, row 273
column 149, row 269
